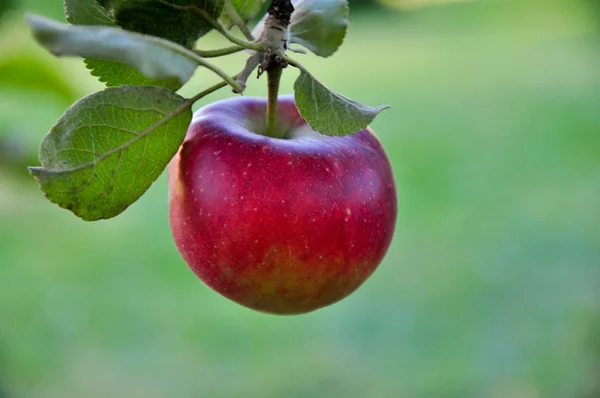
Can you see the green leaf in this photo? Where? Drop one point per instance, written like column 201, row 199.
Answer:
column 319, row 25
column 180, row 21
column 154, row 57
column 108, row 148
column 246, row 9
column 113, row 73
column 328, row 112
column 87, row 12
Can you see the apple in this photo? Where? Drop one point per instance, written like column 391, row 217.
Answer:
column 281, row 225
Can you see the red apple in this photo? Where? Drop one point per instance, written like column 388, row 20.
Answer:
column 281, row 225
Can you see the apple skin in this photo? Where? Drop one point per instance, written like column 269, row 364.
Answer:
column 282, row 226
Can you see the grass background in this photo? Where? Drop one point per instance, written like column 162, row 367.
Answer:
column 490, row 289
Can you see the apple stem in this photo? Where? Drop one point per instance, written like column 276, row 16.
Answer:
column 275, row 39
column 273, row 79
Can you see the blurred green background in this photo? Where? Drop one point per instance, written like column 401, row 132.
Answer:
column 490, row 289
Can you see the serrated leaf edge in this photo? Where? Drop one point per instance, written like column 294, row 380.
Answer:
column 165, row 119
column 101, row 9
column 372, row 111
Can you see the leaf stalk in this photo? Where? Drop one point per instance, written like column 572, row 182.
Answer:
column 238, row 20
column 219, row 52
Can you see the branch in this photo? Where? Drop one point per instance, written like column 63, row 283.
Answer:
column 281, row 11
column 274, row 36
column 273, row 45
